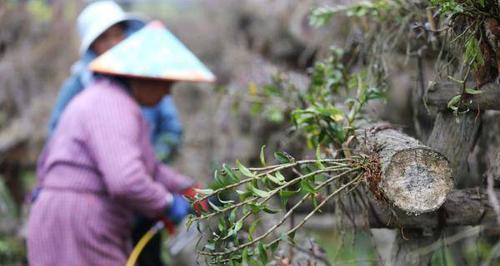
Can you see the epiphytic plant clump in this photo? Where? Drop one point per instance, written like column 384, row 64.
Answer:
column 246, row 195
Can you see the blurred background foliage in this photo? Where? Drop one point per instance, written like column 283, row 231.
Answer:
column 263, row 53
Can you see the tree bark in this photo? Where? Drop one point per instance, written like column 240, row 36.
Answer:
column 462, row 208
column 439, row 94
column 407, row 242
column 414, row 178
column 455, row 137
column 488, row 154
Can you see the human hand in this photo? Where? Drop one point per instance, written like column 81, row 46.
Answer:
column 178, row 209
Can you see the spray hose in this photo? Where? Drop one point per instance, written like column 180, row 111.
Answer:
column 163, row 223
column 134, row 256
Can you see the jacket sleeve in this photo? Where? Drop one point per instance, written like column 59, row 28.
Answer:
column 113, row 134
column 171, row 179
column 168, row 129
column 71, row 87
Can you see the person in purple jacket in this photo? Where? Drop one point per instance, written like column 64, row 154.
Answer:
column 101, row 25
column 99, row 167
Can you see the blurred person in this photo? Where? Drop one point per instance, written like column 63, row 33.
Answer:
column 99, row 166
column 102, row 25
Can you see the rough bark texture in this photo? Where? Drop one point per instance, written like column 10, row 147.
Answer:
column 455, row 136
column 461, row 208
column 488, row 148
column 423, row 121
column 439, row 94
column 406, row 245
column 414, row 178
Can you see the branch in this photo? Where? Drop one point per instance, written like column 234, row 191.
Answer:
column 464, row 207
column 439, row 94
column 285, row 217
column 270, row 170
column 274, row 192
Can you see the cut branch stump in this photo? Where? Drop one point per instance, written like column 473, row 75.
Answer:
column 415, row 178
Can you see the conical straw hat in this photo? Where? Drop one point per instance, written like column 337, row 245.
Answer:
column 153, row 52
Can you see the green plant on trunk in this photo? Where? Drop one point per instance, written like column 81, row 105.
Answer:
column 245, row 194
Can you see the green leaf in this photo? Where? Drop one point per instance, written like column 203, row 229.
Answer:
column 274, row 114
column 291, row 237
column 244, row 194
column 318, row 158
column 262, row 253
column 307, row 186
column 274, row 246
column 473, row 54
column 286, row 194
column 283, row 157
column 234, row 229
column 233, row 261
column 224, row 201
column 262, row 155
column 252, row 229
column 218, row 180
column 259, row 192
column 206, row 191
column 289, row 193
column 210, row 246
column 231, row 174
column 322, row 15
column 452, row 104
column 255, row 208
column 222, row 224
column 270, row 211
column 473, row 91
column 232, row 216
column 244, row 170
column 276, row 180
column 279, row 176
column 245, row 257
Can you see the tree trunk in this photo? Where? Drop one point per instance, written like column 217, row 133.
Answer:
column 455, row 136
column 488, row 154
column 406, row 248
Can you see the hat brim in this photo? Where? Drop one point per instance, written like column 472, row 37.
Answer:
column 192, row 78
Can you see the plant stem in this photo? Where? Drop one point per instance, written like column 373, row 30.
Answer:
column 273, row 192
column 285, row 217
column 273, row 169
column 354, row 180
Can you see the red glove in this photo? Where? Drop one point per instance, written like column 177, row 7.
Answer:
column 190, row 193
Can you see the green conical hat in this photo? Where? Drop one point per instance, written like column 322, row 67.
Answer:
column 153, row 52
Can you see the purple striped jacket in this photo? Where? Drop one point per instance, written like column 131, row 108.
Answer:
column 97, row 169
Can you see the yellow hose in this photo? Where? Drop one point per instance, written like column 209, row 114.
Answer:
column 132, row 259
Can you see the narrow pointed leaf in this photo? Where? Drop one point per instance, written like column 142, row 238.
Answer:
column 275, row 179
column 259, row 192
column 244, row 170
column 262, row 155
